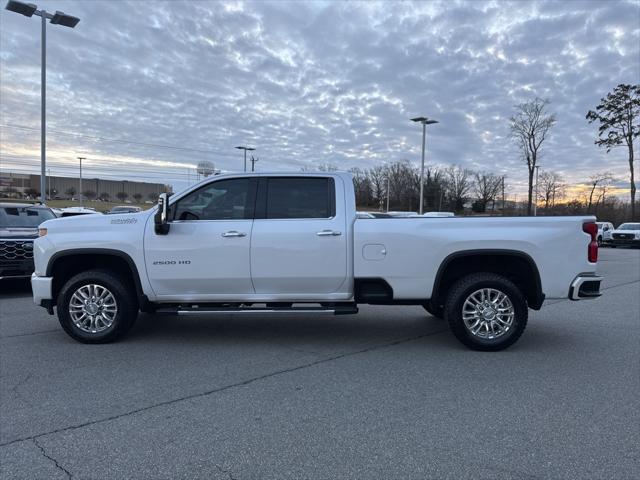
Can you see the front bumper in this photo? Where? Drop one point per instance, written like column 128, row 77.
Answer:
column 19, row 268
column 41, row 288
column 624, row 242
column 585, row 286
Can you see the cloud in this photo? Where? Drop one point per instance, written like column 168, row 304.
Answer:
column 314, row 83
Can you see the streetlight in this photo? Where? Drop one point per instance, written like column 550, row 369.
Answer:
column 245, row 155
column 58, row 18
column 81, row 158
column 424, row 121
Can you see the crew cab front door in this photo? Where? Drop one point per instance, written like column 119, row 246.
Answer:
column 206, row 253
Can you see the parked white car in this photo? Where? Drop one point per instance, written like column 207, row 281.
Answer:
column 282, row 243
column 75, row 211
column 364, row 215
column 401, row 214
column 604, row 232
column 438, row 214
column 627, row 234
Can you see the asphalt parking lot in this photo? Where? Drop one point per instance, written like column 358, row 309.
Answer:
column 388, row 393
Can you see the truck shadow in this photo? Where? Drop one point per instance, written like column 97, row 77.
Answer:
column 314, row 333
column 309, row 330
column 15, row 288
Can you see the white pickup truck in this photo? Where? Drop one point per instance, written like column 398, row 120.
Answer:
column 263, row 243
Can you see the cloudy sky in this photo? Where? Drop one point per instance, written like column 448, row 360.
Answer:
column 311, row 83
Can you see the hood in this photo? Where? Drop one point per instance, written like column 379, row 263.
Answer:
column 83, row 222
column 18, row 232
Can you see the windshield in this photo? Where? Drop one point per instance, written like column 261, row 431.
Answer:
column 24, row 217
column 629, row 226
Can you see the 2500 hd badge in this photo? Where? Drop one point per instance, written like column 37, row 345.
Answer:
column 172, row 262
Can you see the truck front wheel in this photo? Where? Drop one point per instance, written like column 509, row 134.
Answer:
column 486, row 311
column 97, row 306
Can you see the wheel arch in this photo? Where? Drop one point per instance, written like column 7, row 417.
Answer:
column 67, row 263
column 516, row 265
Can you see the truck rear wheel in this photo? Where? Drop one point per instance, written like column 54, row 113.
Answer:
column 486, row 311
column 97, row 306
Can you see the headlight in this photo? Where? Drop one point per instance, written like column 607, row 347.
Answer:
column 42, row 232
column 637, row 236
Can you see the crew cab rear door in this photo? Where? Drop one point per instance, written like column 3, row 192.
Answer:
column 300, row 239
column 205, row 255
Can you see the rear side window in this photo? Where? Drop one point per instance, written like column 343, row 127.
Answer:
column 298, row 197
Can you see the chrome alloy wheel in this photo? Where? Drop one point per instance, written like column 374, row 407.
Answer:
column 488, row 313
column 92, row 308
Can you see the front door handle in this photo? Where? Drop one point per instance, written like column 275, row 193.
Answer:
column 328, row 233
column 234, row 233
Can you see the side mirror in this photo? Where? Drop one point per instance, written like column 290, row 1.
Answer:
column 161, row 217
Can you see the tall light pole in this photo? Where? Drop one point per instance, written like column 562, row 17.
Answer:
column 80, row 192
column 424, row 121
column 58, row 18
column 253, row 163
column 245, row 154
column 535, row 200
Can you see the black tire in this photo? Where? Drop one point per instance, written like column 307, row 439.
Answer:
column 437, row 312
column 466, row 286
column 125, row 300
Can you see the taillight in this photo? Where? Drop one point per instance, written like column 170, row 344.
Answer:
column 592, row 250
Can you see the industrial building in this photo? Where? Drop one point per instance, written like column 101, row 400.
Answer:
column 19, row 185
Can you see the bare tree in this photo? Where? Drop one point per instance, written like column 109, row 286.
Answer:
column 529, row 129
column 459, row 182
column 619, row 117
column 327, row 167
column 378, row 179
column 486, row 188
column 32, row 192
column 137, row 196
column 595, row 181
column 404, row 183
column 89, row 194
column 551, row 186
column 362, row 187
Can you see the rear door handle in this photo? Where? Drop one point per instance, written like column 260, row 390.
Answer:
column 328, row 233
column 234, row 233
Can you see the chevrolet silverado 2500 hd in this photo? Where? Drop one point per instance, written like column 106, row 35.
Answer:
column 262, row 243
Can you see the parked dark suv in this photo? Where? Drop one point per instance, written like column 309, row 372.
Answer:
column 18, row 228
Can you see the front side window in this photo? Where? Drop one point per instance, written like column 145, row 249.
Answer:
column 222, row 200
column 295, row 197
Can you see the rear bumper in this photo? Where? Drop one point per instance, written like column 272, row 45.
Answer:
column 585, row 286
column 41, row 288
